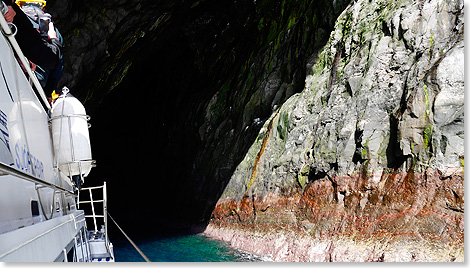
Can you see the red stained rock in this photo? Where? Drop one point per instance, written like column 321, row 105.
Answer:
column 410, row 217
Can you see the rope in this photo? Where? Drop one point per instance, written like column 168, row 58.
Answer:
column 130, row 240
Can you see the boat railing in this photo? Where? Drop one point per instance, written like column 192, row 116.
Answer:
column 102, row 198
column 6, row 169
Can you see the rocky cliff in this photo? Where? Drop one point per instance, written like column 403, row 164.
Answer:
column 366, row 163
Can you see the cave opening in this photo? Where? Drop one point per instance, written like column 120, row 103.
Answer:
column 144, row 142
column 145, row 132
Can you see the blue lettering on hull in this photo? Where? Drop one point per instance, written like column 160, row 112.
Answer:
column 28, row 163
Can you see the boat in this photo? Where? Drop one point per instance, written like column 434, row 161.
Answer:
column 45, row 155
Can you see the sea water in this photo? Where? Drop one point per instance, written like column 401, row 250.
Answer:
column 190, row 248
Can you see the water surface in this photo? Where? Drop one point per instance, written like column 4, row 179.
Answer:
column 190, row 248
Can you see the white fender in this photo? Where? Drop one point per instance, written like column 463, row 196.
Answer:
column 70, row 136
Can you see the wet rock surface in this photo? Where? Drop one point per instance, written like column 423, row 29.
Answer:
column 407, row 219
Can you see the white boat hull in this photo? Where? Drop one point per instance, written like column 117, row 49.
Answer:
column 39, row 218
column 44, row 242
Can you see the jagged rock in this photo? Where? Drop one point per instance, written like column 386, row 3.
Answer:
column 379, row 127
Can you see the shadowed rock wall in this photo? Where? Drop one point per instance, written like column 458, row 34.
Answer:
column 178, row 91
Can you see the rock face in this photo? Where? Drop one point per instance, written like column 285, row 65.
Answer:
column 366, row 163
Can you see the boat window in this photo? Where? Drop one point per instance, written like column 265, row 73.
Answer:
column 35, row 208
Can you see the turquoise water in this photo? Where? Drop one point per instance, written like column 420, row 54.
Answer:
column 191, row 248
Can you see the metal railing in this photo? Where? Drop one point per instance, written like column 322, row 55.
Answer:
column 12, row 171
column 94, row 214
